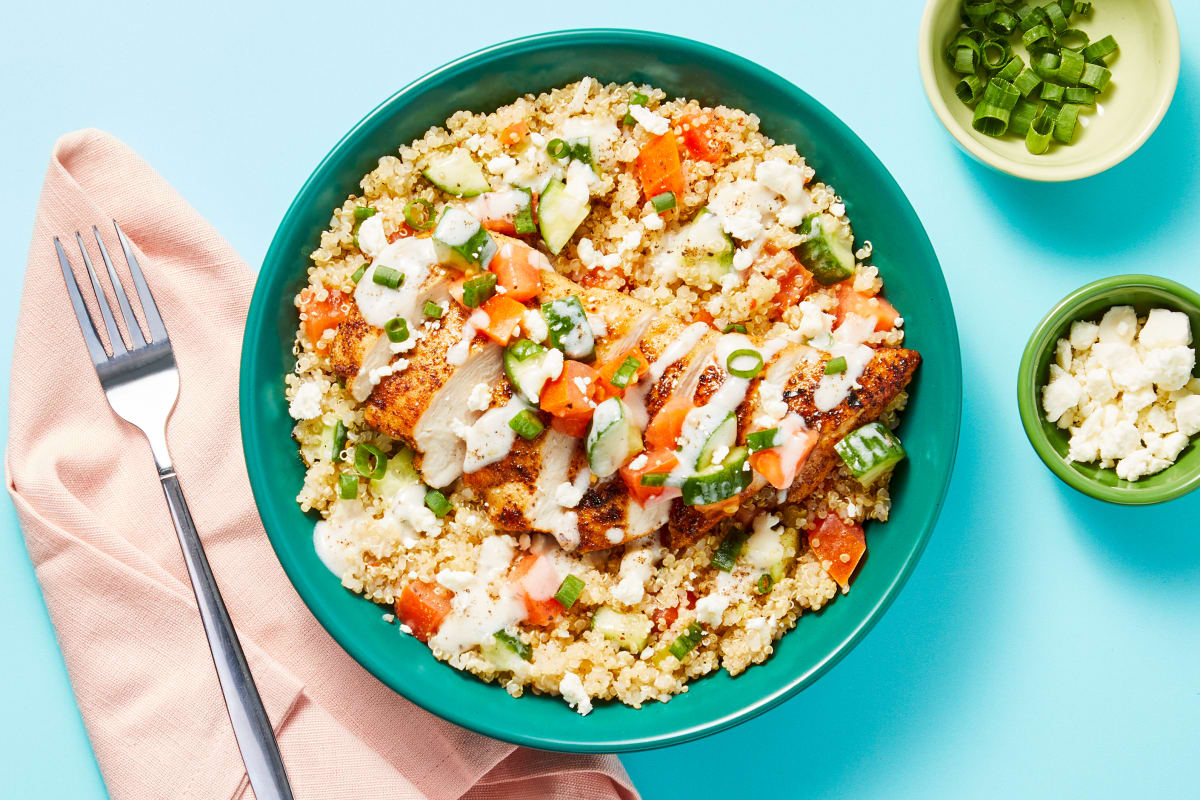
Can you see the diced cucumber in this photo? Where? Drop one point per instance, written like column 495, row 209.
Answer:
column 461, row 242
column 559, row 214
column 870, row 451
column 630, row 631
column 706, row 246
column 456, row 173
column 729, row 550
column 400, row 473
column 828, row 252
column 779, row 569
column 612, row 438
column 718, row 482
column 515, row 644
column 503, row 657
column 525, row 364
column 569, row 328
column 719, row 442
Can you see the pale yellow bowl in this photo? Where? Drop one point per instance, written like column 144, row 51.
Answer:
column 1145, row 71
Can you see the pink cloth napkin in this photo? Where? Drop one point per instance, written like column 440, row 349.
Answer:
column 100, row 538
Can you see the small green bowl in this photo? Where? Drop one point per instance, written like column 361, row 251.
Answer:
column 1145, row 72
column 1143, row 292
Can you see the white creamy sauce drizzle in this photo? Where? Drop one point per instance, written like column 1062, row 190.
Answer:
column 637, row 567
column 635, row 398
column 498, row 205
column 486, row 605
column 703, row 420
column 412, row 258
column 491, row 437
column 848, row 343
column 458, row 352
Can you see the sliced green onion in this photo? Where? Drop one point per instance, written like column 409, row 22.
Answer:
column 965, row 60
column 1031, row 16
column 1038, row 35
column 976, row 11
column 526, row 424
column 729, row 550
column 993, row 112
column 523, row 651
column 1022, row 118
column 762, row 440
column 1012, row 69
column 1073, row 39
column 1054, row 13
column 740, row 356
column 339, row 441
column 1064, row 124
column 433, row 310
column 1080, row 95
column 1002, row 22
column 636, row 99
column 765, row 582
column 663, row 202
column 363, row 213
column 436, row 502
column 655, row 478
column 1037, row 141
column 995, row 52
column 347, row 485
column 835, row 366
column 386, row 276
column 419, row 214
column 1070, row 67
column 369, row 461
column 1026, row 82
column 582, row 150
column 523, row 221
column 477, row 290
column 686, row 641
column 1045, row 65
column 569, row 591
column 1095, row 76
column 358, row 273
column 734, row 327
column 396, row 329
column 969, row 89
column 970, row 39
column 1083, row 8
column 1101, row 48
column 1053, row 92
column 558, row 148
column 625, row 372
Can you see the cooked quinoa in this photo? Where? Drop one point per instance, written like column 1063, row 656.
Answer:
column 620, row 245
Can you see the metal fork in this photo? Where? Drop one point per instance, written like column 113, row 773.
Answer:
column 142, row 385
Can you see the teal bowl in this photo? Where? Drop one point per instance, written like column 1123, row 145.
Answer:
column 481, row 82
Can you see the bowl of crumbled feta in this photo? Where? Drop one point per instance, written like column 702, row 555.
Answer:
column 1109, row 392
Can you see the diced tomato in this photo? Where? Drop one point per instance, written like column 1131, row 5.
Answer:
column 659, row 167
column 610, row 367
column 576, row 428
column 660, row 460
column 667, row 424
column 516, row 267
column 779, row 465
column 703, row 316
column 602, row 278
column 573, row 394
column 504, row 317
column 796, row 284
column 514, row 134
column 321, row 315
column 422, row 606
column 503, row 225
column 664, row 618
column 876, row 308
column 839, row 546
column 400, row 233
column 537, row 580
column 700, row 137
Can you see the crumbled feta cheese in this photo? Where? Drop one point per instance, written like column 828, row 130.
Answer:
column 535, row 325
column 710, row 608
column 499, row 165
column 1164, row 328
column 389, row 618
column 1119, row 324
column 745, row 225
column 653, row 123
column 1060, row 394
column 480, row 398
column 371, row 238
column 614, row 535
column 1170, row 368
column 638, row 462
column 1187, row 415
column 455, row 579
column 1139, row 464
column 1084, row 334
column 787, row 181
column 567, row 495
column 1062, row 354
column 571, row 688
column 653, row 222
column 306, row 402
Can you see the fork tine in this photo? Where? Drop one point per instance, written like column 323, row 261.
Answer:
column 114, row 333
column 158, row 331
column 82, row 315
column 135, row 332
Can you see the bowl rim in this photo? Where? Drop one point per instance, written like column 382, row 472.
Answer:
column 1043, row 338
column 1035, row 172
column 373, row 661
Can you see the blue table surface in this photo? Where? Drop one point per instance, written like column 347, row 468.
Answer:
column 1046, row 645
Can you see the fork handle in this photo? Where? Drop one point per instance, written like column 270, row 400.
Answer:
column 251, row 727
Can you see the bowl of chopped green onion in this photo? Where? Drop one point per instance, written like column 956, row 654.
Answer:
column 1050, row 91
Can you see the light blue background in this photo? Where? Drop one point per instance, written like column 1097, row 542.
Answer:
column 1047, row 644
